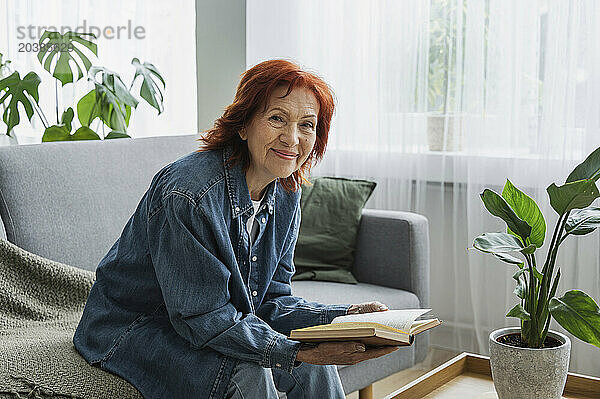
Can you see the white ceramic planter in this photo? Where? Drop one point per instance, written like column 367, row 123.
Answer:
column 525, row 373
column 435, row 133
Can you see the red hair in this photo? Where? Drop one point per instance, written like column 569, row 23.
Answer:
column 254, row 90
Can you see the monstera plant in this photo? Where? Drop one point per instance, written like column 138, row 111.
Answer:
column 109, row 103
column 14, row 90
column 536, row 289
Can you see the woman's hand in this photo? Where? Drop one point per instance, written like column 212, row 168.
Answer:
column 367, row 307
column 345, row 352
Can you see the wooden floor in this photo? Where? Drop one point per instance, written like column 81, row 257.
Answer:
column 435, row 357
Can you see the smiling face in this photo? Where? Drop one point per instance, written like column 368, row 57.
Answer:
column 281, row 139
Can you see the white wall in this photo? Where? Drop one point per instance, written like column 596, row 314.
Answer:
column 220, row 55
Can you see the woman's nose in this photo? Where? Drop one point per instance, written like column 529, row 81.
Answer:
column 290, row 135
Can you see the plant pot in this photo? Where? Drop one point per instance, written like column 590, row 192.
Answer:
column 435, row 133
column 527, row 373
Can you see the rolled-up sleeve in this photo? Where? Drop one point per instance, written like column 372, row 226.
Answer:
column 194, row 285
column 285, row 312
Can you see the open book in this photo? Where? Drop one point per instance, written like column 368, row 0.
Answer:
column 390, row 327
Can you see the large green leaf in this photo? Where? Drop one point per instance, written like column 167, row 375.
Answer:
column 53, row 43
column 519, row 312
column 500, row 242
column 87, row 109
column 583, row 221
column 588, row 169
column 527, row 210
column 14, row 90
column 113, row 98
column 150, row 89
column 509, row 259
column 499, row 207
column 575, row 195
column 579, row 315
column 56, row 133
column 85, row 133
column 113, row 83
column 114, row 121
column 60, row 133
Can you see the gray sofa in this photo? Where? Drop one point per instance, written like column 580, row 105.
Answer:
column 68, row 201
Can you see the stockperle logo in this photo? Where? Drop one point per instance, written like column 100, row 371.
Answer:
column 109, row 32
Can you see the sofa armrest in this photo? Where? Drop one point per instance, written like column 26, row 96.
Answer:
column 392, row 250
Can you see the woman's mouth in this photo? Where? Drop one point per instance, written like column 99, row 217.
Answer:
column 284, row 156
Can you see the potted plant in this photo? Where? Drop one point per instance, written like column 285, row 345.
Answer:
column 109, row 102
column 530, row 361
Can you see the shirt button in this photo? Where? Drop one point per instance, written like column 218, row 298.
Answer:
column 278, row 364
column 254, row 258
column 254, row 293
column 263, row 220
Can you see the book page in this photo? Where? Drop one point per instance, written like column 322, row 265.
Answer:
column 344, row 326
column 422, row 325
column 401, row 319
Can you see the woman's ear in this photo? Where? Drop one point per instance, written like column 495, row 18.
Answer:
column 242, row 133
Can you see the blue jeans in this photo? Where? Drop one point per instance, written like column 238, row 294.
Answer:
column 250, row 380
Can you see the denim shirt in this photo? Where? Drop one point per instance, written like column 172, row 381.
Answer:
column 182, row 282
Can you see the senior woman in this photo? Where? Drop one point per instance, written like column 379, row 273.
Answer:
column 193, row 300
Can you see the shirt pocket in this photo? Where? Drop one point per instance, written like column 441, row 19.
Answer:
column 138, row 322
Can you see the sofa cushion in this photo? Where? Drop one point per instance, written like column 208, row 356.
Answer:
column 331, row 212
column 332, row 293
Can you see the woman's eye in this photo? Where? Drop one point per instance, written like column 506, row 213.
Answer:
column 279, row 119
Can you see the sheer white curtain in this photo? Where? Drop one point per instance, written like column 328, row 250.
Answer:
column 165, row 38
column 440, row 99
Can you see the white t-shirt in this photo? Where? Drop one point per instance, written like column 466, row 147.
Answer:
column 250, row 222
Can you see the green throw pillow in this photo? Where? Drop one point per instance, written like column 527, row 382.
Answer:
column 331, row 211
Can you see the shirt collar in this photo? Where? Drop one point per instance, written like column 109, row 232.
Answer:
column 237, row 187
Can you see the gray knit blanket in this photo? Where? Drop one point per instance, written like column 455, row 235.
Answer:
column 41, row 303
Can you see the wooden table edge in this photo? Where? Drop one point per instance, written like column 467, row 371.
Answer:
column 470, row 362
